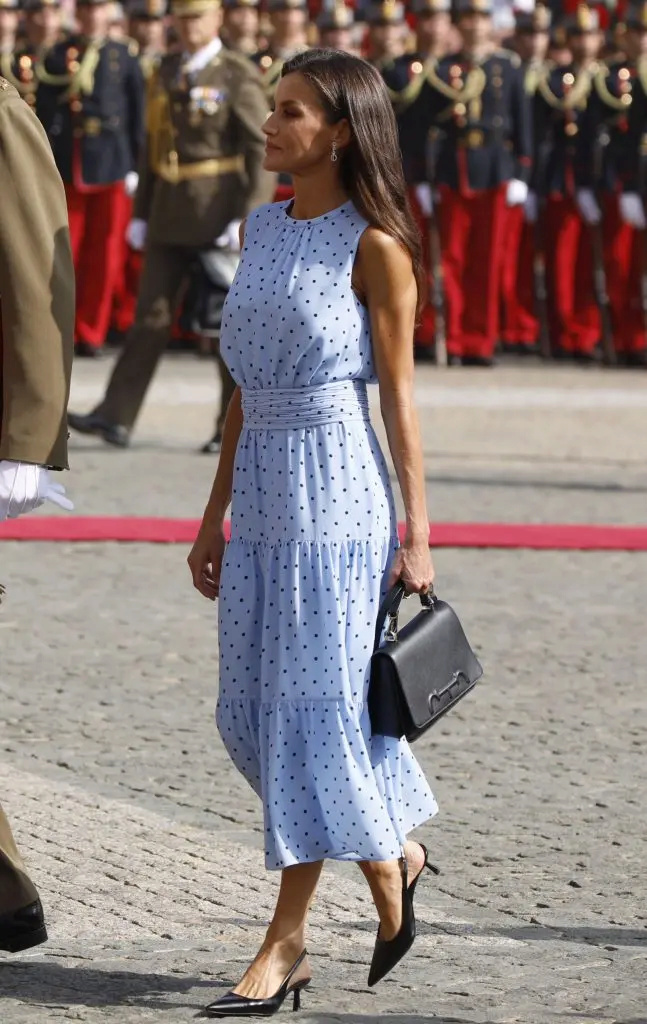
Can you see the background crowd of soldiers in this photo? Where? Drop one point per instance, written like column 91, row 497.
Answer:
column 523, row 139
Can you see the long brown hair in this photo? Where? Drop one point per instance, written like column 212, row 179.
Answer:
column 371, row 165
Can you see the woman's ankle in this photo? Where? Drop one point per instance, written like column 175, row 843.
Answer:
column 288, row 936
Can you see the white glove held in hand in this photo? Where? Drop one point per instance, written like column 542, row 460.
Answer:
column 230, row 238
column 516, row 193
column 131, row 181
column 24, row 487
column 531, row 208
column 425, row 198
column 136, row 234
column 588, row 207
column 632, row 210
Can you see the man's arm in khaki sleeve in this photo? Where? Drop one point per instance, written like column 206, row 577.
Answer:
column 36, row 291
column 251, row 109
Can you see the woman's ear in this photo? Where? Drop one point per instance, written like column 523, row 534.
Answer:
column 343, row 133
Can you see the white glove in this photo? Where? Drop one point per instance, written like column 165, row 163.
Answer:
column 516, row 193
column 632, row 210
column 230, row 238
column 425, row 198
column 131, row 181
column 24, row 487
column 588, row 207
column 531, row 208
column 136, row 234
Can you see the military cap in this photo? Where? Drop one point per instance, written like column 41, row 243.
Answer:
column 32, row 6
column 539, row 19
column 388, row 12
column 232, row 5
column 189, row 8
column 147, row 10
column 339, row 16
column 431, row 7
column 287, row 5
column 636, row 16
column 473, row 7
column 584, row 19
column 9, row 5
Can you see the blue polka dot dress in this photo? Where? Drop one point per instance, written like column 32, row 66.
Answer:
column 313, row 532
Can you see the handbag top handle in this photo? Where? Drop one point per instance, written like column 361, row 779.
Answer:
column 391, row 606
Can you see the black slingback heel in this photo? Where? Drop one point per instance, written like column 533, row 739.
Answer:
column 389, row 952
column 233, row 1005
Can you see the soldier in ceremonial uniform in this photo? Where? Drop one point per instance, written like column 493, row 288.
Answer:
column 335, row 28
column 147, row 27
column 412, row 97
column 240, row 26
column 612, row 138
column 9, row 21
column 387, row 31
column 481, row 115
column 90, row 100
column 289, row 22
column 560, row 106
column 520, row 323
column 37, row 315
column 201, row 173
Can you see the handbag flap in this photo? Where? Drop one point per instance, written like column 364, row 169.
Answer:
column 432, row 653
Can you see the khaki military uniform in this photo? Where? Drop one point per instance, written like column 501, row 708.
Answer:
column 201, row 169
column 37, row 308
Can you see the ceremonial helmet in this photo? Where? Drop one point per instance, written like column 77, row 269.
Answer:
column 147, row 10
column 636, row 16
column 473, row 7
column 536, row 19
column 583, row 20
column 422, row 7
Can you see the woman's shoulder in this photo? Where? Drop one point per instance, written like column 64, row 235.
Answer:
column 266, row 212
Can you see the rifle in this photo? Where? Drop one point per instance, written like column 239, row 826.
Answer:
column 437, row 291
column 599, row 275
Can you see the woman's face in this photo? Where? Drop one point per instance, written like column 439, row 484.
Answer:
column 297, row 136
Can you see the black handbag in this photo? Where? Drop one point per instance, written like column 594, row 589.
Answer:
column 420, row 671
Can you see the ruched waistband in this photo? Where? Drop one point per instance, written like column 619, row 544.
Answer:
column 296, row 408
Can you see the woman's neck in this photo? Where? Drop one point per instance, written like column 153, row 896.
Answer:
column 313, row 199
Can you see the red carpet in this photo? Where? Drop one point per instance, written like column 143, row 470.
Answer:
column 549, row 536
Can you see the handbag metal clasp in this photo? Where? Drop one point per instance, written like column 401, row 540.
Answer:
column 391, row 632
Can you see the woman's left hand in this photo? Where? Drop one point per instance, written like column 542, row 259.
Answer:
column 413, row 565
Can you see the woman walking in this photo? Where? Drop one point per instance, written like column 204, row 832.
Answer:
column 324, row 301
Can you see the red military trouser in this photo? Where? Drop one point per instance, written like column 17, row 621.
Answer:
column 623, row 258
column 426, row 328
column 96, row 232
column 573, row 316
column 520, row 325
column 128, row 277
column 472, row 233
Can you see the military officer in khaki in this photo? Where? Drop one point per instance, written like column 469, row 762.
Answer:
column 201, row 174
column 36, row 346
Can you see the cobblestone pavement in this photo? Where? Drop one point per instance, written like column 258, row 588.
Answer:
column 146, row 844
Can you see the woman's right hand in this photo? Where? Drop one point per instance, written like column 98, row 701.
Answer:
column 205, row 559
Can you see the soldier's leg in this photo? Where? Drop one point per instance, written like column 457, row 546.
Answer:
column 586, row 326
column 16, row 888
column 453, row 223
column 561, row 233
column 488, row 213
column 617, row 237
column 164, row 269
column 101, row 253
column 636, row 343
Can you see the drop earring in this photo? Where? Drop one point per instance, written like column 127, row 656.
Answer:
column 333, row 152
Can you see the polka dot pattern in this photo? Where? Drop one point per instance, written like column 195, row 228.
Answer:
column 313, row 533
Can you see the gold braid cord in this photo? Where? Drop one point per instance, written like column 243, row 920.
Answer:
column 605, row 94
column 472, row 89
column 575, row 97
column 6, row 70
column 403, row 98
column 642, row 73
column 77, row 82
